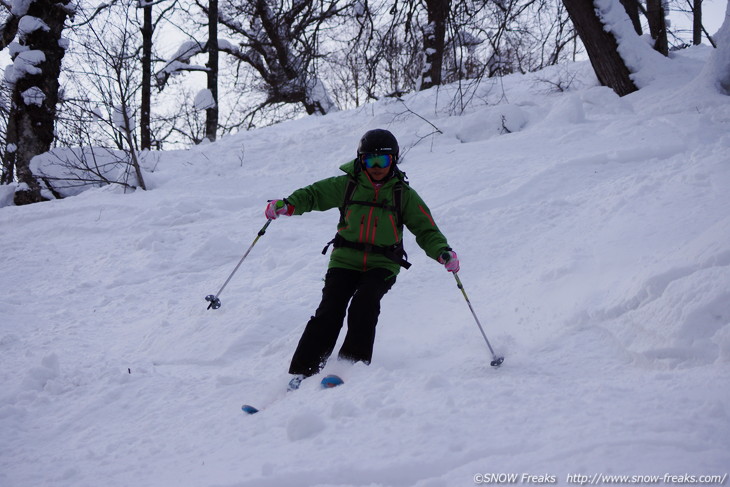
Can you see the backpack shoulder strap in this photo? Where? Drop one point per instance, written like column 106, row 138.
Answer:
column 398, row 202
column 400, row 186
column 349, row 191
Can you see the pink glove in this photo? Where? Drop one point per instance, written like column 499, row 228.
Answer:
column 449, row 259
column 276, row 208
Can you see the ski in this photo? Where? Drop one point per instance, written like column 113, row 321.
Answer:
column 331, row 381
column 327, row 382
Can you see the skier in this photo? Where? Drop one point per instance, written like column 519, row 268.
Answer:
column 375, row 202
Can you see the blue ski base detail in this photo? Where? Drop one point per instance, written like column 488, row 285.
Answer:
column 327, row 383
column 248, row 409
column 331, row 381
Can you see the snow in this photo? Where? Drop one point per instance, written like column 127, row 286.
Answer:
column 7, row 191
column 33, row 96
column 120, row 121
column 717, row 70
column 187, row 50
column 594, row 238
column 204, row 100
column 68, row 171
column 360, row 9
column 64, row 43
column 29, row 24
column 317, row 94
column 180, row 61
column 20, row 7
column 25, row 63
column 227, row 46
column 15, row 48
column 646, row 64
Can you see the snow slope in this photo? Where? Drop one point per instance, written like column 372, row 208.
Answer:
column 594, row 235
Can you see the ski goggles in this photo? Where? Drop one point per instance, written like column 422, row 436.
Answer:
column 377, row 160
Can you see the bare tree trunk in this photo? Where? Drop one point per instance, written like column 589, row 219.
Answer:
column 126, row 127
column 135, row 160
column 145, row 132
column 657, row 25
column 601, row 46
column 211, row 114
column 697, row 23
column 434, row 35
column 11, row 137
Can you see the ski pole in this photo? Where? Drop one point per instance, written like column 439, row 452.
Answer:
column 496, row 361
column 215, row 302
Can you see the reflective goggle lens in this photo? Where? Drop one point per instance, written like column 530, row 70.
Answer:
column 373, row 160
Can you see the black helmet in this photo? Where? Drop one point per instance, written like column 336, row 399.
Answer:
column 378, row 141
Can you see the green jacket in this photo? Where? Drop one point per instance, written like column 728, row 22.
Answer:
column 370, row 224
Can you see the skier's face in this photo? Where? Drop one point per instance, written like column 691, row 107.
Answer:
column 378, row 173
column 377, row 165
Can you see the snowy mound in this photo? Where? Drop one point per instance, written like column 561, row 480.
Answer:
column 594, row 235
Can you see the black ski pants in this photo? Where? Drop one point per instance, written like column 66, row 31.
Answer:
column 363, row 291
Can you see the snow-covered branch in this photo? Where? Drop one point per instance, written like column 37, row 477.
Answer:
column 180, row 61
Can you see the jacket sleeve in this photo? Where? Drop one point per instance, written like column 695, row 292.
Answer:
column 320, row 196
column 417, row 218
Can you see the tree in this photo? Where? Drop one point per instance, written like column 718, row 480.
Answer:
column 698, row 29
column 148, row 32
column 206, row 99
column 601, row 46
column 118, row 32
column 107, row 69
column 211, row 113
column 280, row 41
column 34, row 78
column 716, row 72
column 148, row 28
column 632, row 8
column 434, row 35
column 656, row 16
column 697, row 22
column 379, row 52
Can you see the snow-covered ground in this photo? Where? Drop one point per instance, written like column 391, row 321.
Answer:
column 595, row 247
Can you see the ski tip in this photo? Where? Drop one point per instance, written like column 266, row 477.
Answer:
column 248, row 409
column 331, row 381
